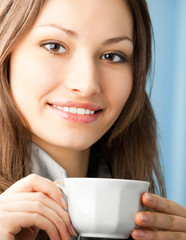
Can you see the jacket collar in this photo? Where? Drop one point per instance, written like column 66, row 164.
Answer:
column 43, row 165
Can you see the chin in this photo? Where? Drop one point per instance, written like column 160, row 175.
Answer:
column 77, row 147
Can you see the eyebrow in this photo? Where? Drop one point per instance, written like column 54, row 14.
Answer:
column 67, row 31
column 116, row 40
column 73, row 34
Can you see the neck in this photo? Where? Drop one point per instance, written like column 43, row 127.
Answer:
column 74, row 162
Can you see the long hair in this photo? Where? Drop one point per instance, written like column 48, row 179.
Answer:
column 130, row 146
column 16, row 18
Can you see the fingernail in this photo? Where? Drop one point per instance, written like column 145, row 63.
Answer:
column 73, row 231
column 149, row 196
column 63, row 203
column 144, row 217
column 139, row 233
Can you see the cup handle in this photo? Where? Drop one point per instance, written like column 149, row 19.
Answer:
column 62, row 188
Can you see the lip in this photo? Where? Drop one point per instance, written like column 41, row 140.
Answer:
column 74, row 117
column 93, row 107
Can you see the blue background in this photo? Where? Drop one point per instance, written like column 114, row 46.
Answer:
column 169, row 91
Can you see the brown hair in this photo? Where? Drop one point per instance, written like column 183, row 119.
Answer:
column 130, row 146
column 16, row 18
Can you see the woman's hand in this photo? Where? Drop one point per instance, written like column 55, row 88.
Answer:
column 167, row 221
column 31, row 204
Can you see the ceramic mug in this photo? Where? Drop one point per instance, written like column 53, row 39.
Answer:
column 103, row 207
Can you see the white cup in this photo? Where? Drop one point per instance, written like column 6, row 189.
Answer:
column 102, row 207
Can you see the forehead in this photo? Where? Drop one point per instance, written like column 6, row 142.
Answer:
column 88, row 16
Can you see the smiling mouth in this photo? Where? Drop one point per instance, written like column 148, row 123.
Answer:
column 75, row 110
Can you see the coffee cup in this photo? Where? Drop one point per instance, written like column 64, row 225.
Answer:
column 102, row 207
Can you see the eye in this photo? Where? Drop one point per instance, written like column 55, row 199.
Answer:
column 55, row 48
column 114, row 57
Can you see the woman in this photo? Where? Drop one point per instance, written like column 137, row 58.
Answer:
column 73, row 100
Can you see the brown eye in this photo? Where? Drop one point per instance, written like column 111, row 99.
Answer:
column 54, row 47
column 114, row 57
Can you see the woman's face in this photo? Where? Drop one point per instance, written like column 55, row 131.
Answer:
column 71, row 75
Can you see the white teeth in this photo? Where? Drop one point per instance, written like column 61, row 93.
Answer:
column 65, row 109
column 88, row 111
column 60, row 108
column 81, row 111
column 74, row 110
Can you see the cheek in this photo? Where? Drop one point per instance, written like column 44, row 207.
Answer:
column 30, row 76
column 119, row 87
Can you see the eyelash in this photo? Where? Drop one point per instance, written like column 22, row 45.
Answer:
column 122, row 57
column 44, row 45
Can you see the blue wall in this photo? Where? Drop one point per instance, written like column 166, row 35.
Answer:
column 169, row 91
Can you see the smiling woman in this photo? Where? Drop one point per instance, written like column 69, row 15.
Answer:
column 73, row 102
column 60, row 70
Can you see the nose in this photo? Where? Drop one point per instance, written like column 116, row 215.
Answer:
column 82, row 77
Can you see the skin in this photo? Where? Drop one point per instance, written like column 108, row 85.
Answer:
column 81, row 74
column 28, row 206
column 78, row 72
column 166, row 222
